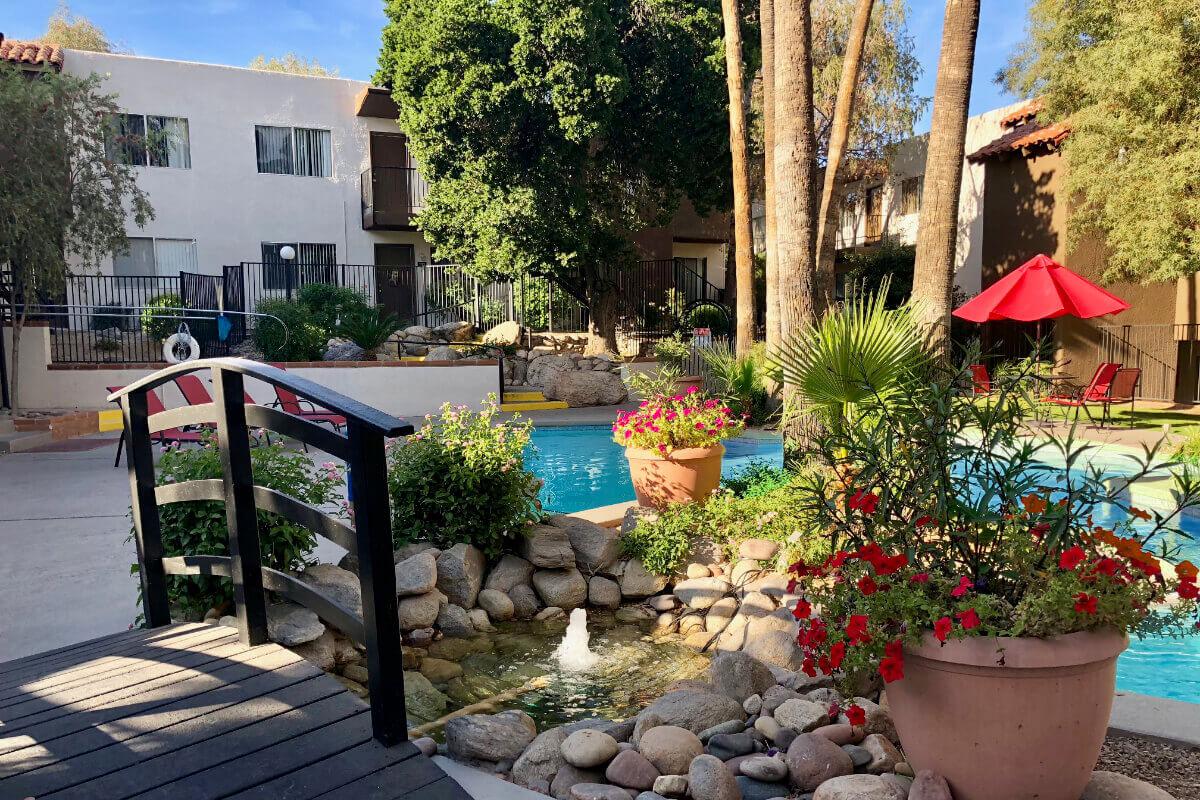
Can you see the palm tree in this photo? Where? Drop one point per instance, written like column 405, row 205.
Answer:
column 838, row 134
column 766, row 21
column 742, row 243
column 937, row 232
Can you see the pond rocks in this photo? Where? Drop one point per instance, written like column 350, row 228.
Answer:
column 730, row 745
column 670, row 749
column 744, row 571
column 342, row 350
column 1106, row 786
column 701, row 592
column 542, row 758
column 596, row 548
column 813, row 759
column 752, row 789
column 420, row 611
column 480, row 620
column 802, row 715
column 634, row 614
column 720, row 614
column 603, row 593
column 661, row 602
column 588, row 748
column 570, row 776
column 416, row 574
column 506, row 333
column 884, row 755
column 460, row 574
column 695, row 711
column 710, row 779
column 768, row 727
column 290, row 624
column 739, row 676
column 439, row 670
column 578, row 388
column 497, row 604
column 451, row 649
column 455, row 621
column 839, row 733
column 561, row 588
column 671, row 785
column 858, row 787
column 321, row 651
column 772, row 640
column 525, row 601
column 510, row 571
column 758, row 549
column 339, row 585
column 421, row 699
column 632, row 770
column 928, row 785
column 878, row 719
column 599, row 791
column 441, row 353
column 455, row 331
column 490, row 737
column 548, row 547
column 764, row 768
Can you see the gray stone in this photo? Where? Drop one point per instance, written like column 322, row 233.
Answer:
column 506, row 333
column 650, row 796
column 588, row 748
column 784, row 738
column 460, row 574
column 884, row 755
column 634, row 614
column 858, row 787
column 603, row 593
column 453, row 620
column 731, row 726
column 480, row 620
column 416, row 574
column 450, row 648
column 709, row 779
column 525, row 601
column 752, row 789
column 551, row 613
column 694, row 710
column 765, row 768
column 490, row 737
column 439, row 670
column 561, row 588
column 321, row 651
column 426, row 745
column 720, row 614
column 639, row 582
column 752, row 705
column 542, row 758
column 739, row 676
column 758, row 549
column 497, row 604
column 570, row 776
column 596, row 547
column 632, row 770
column 621, row 731
column 670, row 749
column 339, row 585
column 928, row 785
column 840, row 733
column 455, row 331
column 420, row 611
column 290, row 624
column 859, row 755
column 701, row 592
column 421, row 699
column 902, row 782
column 767, row 726
column 441, row 353
column 661, row 602
column 812, row 760
column 801, row 715
column 878, row 719
column 671, row 785
column 825, row 697
column 1109, row 786
column 510, row 571
column 772, row 640
column 727, row 745
column 407, row 551
column 580, row 389
column 636, row 514
column 340, row 350
column 547, row 547
column 423, row 332
column 599, row 791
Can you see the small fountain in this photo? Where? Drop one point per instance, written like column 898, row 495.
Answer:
column 573, row 654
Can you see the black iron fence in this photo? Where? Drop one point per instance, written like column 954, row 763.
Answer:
column 1167, row 355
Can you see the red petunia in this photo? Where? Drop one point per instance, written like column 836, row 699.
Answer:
column 890, row 566
column 1040, row 530
column 834, row 711
column 791, row 586
column 894, row 649
column 964, row 585
column 1107, row 566
column 856, row 629
column 923, row 521
column 867, row 585
column 802, row 610
column 942, row 628
column 892, row 669
column 836, row 654
column 1086, row 603
column 864, row 502
column 1188, row 590
column 1071, row 558
column 870, row 553
column 824, row 665
column 968, row 619
column 808, row 667
column 920, row 577
column 856, row 715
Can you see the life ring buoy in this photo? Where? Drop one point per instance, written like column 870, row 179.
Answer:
column 176, row 342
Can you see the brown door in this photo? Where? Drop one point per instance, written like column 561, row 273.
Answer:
column 396, row 279
column 874, row 214
column 391, row 179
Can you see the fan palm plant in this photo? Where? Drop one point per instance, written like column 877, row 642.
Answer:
column 741, row 381
column 369, row 328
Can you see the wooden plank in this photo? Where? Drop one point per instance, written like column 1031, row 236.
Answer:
column 132, row 683
column 110, row 639
column 221, row 746
column 224, row 723
column 444, row 788
column 338, row 770
column 259, row 671
column 265, row 766
column 397, row 779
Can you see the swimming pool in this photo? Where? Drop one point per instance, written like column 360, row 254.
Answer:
column 583, row 468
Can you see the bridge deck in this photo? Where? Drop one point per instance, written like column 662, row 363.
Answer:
column 187, row 712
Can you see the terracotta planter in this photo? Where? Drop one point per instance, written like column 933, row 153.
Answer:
column 687, row 382
column 1030, row 729
column 680, row 477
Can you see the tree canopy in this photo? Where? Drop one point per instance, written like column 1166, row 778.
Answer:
column 550, row 130
column 76, row 33
column 293, row 65
column 1124, row 75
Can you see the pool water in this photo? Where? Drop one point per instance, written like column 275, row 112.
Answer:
column 583, row 468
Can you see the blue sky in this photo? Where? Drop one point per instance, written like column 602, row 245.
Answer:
column 345, row 33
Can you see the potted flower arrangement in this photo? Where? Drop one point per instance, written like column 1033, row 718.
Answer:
column 673, row 443
column 989, row 579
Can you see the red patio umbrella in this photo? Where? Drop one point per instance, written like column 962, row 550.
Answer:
column 1041, row 288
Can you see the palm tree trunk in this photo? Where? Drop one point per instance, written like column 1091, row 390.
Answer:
column 937, row 232
column 843, row 111
column 767, row 26
column 743, row 251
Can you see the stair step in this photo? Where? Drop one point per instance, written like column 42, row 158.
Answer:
column 524, row 397
column 110, row 420
column 20, row 441
column 535, row 405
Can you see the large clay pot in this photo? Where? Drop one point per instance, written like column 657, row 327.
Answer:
column 678, row 477
column 1008, row 719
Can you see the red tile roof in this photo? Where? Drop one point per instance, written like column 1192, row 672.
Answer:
column 1026, row 138
column 36, row 54
column 1025, row 113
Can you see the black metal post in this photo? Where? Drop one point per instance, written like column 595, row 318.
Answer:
column 5, row 401
column 147, row 530
column 240, row 513
column 377, row 577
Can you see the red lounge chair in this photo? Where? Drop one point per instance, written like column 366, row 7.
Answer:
column 193, row 391
column 981, row 381
column 1123, row 390
column 1093, row 394
column 155, row 406
column 290, row 402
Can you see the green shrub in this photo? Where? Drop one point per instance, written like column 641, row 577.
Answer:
column 369, row 328
column 1188, row 451
column 160, row 318
column 199, row 527
column 708, row 316
column 661, row 381
column 113, row 315
column 327, row 304
column 673, row 351
column 756, row 478
column 462, row 478
column 740, row 381
column 299, row 338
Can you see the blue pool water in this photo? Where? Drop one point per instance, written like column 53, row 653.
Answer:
column 583, row 468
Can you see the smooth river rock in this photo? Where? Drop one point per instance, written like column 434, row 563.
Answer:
column 632, row 770
column 491, row 737
column 858, row 787
column 417, row 574
column 542, row 758
column 603, row 592
column 637, row 581
column 801, row 715
column 497, row 604
column 599, row 791
column 739, row 676
column 339, row 585
column 709, row 779
column 570, row 776
column 764, row 768
column 420, row 611
column 701, row 592
column 548, row 547
column 290, row 624
column 671, row 785
column 1114, row 786
column 670, row 749
column 587, row 748
column 510, row 571
column 525, row 601
column 928, row 785
column 694, row 710
column 561, row 588
column 813, row 759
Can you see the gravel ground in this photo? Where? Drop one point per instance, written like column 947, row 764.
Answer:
column 1174, row 769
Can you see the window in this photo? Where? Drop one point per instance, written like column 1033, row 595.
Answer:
column 293, row 151
column 910, row 195
column 147, row 257
column 149, row 140
column 314, row 263
column 139, row 261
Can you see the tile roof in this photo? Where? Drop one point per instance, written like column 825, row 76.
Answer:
column 1023, row 138
column 36, row 54
column 1024, row 114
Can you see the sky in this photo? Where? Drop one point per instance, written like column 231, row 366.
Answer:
column 344, row 34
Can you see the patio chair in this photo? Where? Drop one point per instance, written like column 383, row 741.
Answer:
column 981, row 381
column 154, row 405
column 195, row 394
column 1093, row 394
column 292, row 403
column 1123, row 390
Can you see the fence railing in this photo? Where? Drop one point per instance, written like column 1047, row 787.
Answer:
column 1158, row 351
column 391, row 197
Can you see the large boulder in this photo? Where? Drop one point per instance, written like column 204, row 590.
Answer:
column 802, row 715
column 510, row 571
column 497, row 605
column 418, row 332
column 569, row 777
column 1113, row 786
column 420, row 611
column 813, row 759
column 506, row 333
column 596, row 548
column 578, row 389
column 670, row 748
column 339, row 585
column 490, row 737
column 739, row 676
column 603, row 593
column 454, row 620
column 342, row 350
column 701, row 592
column 421, row 700
column 442, row 352
column 694, row 710
column 460, row 574
column 290, row 624
column 416, row 574
column 525, row 601
column 455, row 331
column 772, row 640
column 542, row 367
column 561, row 588
column 548, row 547
column 710, row 779
column 637, row 581
column 542, row 758
column 859, row 787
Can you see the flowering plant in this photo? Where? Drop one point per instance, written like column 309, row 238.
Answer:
column 665, row 423
column 946, row 518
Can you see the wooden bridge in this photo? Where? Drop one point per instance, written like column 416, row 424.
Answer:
column 199, row 712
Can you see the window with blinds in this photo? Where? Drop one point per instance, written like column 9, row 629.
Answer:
column 314, row 263
column 125, row 139
column 293, row 151
column 149, row 140
column 149, row 256
column 137, row 261
column 910, row 195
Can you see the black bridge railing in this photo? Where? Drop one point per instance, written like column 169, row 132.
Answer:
column 370, row 538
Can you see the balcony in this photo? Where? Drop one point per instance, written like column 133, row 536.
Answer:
column 391, row 198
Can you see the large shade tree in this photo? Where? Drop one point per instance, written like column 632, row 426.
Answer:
column 551, row 131
column 1124, row 75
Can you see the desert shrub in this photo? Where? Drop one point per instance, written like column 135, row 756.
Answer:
column 369, row 328
column 1188, row 450
column 462, row 478
column 159, row 319
column 756, row 478
column 299, row 338
column 673, row 351
column 661, row 381
column 327, row 304
column 741, row 381
column 199, row 527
